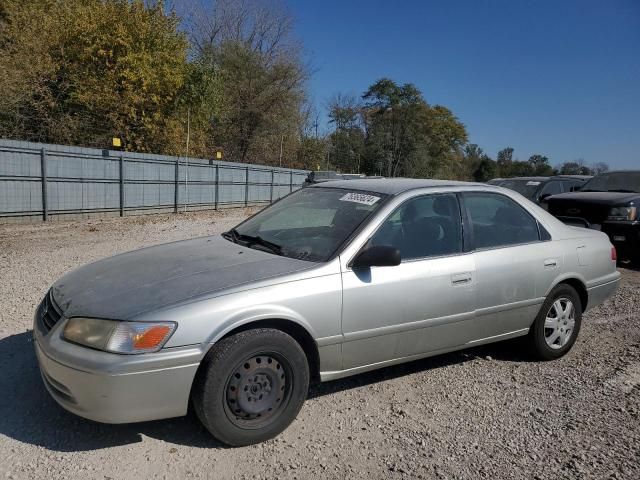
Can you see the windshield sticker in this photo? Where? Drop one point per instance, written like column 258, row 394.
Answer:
column 362, row 198
column 533, row 183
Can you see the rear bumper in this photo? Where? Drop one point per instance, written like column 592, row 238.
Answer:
column 599, row 293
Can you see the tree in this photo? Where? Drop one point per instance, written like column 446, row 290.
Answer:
column 540, row 165
column 71, row 74
column 348, row 139
column 405, row 136
column 504, row 162
column 252, row 47
column 486, row 170
column 576, row 167
column 599, row 167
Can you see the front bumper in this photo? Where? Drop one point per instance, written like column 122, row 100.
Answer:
column 112, row 388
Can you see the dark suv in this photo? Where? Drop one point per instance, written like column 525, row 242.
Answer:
column 537, row 189
column 608, row 202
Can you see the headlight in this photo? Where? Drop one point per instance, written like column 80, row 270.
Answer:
column 119, row 337
column 623, row 213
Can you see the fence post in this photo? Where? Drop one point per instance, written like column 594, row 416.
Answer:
column 271, row 192
column 246, row 187
column 121, row 185
column 215, row 205
column 43, row 171
column 176, row 184
column 290, row 181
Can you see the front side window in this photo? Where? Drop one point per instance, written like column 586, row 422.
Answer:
column 309, row 224
column 497, row 221
column 423, row 227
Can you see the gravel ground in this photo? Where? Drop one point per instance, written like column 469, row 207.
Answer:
column 488, row 412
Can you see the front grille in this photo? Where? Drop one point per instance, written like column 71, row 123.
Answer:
column 49, row 313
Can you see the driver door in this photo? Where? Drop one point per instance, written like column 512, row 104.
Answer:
column 423, row 305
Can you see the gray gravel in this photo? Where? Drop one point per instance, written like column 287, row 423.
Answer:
column 489, row 412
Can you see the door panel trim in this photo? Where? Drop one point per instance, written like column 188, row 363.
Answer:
column 502, row 336
column 403, row 327
column 509, row 306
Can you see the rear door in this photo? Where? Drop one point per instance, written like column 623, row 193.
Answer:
column 513, row 266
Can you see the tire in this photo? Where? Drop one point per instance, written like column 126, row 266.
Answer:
column 251, row 386
column 549, row 337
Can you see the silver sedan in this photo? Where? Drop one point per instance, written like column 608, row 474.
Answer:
column 331, row 281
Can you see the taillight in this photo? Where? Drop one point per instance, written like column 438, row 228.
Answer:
column 614, row 254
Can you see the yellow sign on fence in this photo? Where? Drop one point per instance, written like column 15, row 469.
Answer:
column 116, row 142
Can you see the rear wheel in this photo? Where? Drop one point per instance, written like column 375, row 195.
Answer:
column 251, row 386
column 556, row 327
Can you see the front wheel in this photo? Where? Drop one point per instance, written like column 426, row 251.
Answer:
column 251, row 386
column 556, row 327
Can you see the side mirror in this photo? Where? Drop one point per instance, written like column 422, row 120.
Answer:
column 377, row 256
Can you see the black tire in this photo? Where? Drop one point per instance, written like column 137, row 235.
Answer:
column 251, row 386
column 540, row 336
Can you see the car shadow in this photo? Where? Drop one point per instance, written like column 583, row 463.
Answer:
column 28, row 414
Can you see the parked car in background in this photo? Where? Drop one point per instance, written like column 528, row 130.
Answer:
column 538, row 189
column 495, row 181
column 330, row 281
column 353, row 176
column 315, row 177
column 609, row 202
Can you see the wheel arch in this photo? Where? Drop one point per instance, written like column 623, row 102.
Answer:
column 579, row 286
column 298, row 332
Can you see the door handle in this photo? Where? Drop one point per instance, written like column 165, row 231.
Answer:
column 460, row 278
column 551, row 262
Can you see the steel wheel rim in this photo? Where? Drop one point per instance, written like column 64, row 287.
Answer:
column 559, row 323
column 257, row 390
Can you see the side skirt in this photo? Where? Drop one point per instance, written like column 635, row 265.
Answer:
column 334, row 375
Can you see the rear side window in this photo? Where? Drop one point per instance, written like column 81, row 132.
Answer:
column 498, row 221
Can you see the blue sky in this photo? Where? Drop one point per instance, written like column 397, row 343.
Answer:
column 560, row 78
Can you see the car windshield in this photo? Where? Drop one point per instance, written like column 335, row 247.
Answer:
column 526, row 188
column 309, row 224
column 613, row 182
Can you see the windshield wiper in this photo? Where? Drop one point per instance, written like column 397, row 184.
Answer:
column 250, row 240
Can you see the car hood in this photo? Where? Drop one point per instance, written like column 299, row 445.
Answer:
column 127, row 285
column 597, row 198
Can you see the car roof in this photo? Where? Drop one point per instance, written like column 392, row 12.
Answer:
column 394, row 186
column 529, row 179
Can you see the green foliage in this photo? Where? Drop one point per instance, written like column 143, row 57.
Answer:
column 83, row 71
column 394, row 132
